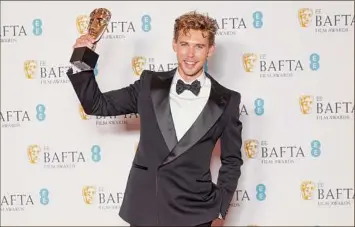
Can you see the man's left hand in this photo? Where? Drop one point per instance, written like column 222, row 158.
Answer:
column 217, row 222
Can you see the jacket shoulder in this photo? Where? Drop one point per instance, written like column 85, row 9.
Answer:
column 226, row 90
column 149, row 73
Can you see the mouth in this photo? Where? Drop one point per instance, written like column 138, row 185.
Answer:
column 190, row 64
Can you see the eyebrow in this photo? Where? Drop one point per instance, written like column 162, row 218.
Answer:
column 197, row 44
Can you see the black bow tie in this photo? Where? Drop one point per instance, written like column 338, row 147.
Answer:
column 194, row 87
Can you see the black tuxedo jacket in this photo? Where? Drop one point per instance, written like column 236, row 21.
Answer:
column 170, row 181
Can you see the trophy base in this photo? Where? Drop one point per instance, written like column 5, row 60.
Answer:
column 84, row 58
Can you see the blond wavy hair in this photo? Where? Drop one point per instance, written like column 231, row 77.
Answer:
column 196, row 21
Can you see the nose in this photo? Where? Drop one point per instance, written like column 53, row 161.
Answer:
column 191, row 52
column 95, row 23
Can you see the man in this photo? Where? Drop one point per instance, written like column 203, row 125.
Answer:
column 170, row 179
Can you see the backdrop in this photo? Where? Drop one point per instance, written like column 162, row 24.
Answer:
column 292, row 62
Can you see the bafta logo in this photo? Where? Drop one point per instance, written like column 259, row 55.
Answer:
column 82, row 23
column 305, row 17
column 82, row 113
column 138, row 64
column 249, row 61
column 88, row 193
column 307, row 188
column 33, row 153
column 251, row 148
column 85, row 58
column 305, row 102
column 30, row 68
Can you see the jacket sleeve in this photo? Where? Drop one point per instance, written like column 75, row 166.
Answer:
column 231, row 157
column 111, row 103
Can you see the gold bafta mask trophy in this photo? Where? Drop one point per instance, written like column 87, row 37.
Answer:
column 85, row 58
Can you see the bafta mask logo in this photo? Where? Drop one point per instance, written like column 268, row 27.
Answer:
column 33, row 153
column 305, row 17
column 99, row 19
column 307, row 188
column 82, row 23
column 138, row 64
column 306, row 104
column 249, row 62
column 89, row 194
column 83, row 115
column 30, row 68
column 251, row 148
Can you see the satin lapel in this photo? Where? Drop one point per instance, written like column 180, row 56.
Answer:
column 207, row 118
column 160, row 88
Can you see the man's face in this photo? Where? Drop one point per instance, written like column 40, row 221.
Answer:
column 192, row 50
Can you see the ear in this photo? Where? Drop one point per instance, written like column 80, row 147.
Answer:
column 211, row 50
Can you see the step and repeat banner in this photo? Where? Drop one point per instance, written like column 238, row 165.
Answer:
column 292, row 62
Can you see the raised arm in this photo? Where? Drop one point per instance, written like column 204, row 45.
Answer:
column 111, row 103
column 95, row 102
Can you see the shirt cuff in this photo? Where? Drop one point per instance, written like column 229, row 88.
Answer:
column 76, row 69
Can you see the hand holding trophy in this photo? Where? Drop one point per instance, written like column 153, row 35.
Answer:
column 84, row 57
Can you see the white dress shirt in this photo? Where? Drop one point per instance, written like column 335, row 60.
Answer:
column 186, row 107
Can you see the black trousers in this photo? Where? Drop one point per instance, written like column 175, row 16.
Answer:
column 207, row 224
